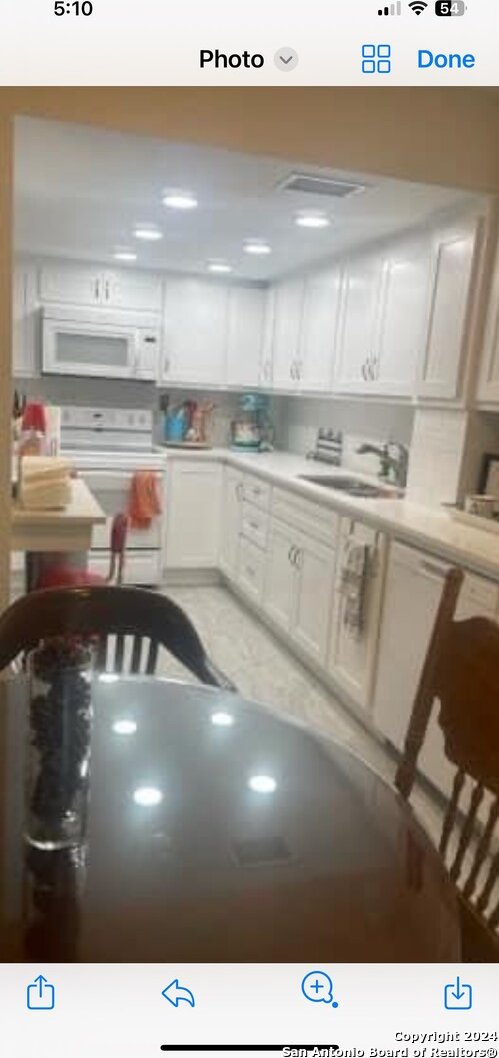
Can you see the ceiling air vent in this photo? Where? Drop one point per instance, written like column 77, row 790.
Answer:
column 319, row 185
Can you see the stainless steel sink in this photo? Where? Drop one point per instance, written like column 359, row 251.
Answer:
column 353, row 486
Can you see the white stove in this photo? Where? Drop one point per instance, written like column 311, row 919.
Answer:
column 107, row 446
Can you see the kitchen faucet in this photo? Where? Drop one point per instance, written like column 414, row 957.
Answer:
column 393, row 467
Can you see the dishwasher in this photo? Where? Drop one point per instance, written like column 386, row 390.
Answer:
column 413, row 588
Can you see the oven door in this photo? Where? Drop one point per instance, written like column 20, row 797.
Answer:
column 111, row 489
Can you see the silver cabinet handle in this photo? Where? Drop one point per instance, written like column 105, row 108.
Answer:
column 254, row 525
column 292, row 370
column 106, row 290
column 291, row 554
column 298, row 559
column 363, row 371
column 166, row 365
column 97, row 289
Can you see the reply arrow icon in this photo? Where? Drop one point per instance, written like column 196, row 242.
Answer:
column 176, row 994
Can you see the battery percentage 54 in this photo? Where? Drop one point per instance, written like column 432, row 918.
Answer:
column 450, row 7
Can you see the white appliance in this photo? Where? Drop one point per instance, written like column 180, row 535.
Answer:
column 100, row 343
column 107, row 446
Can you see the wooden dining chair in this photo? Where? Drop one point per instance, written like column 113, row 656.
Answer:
column 103, row 612
column 461, row 673
column 62, row 575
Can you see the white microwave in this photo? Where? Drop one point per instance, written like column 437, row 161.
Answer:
column 100, row 343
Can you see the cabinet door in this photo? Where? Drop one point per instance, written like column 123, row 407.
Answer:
column 230, row 521
column 288, row 308
column 453, row 251
column 280, row 576
column 193, row 514
column 352, row 653
column 245, row 334
column 71, row 284
column 266, row 361
column 318, row 331
column 25, row 322
column 195, row 332
column 355, row 349
column 488, row 389
column 313, row 599
column 135, row 291
column 401, row 319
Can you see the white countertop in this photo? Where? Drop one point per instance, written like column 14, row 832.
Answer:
column 428, row 528
column 83, row 509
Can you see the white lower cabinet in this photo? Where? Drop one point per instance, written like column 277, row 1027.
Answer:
column 298, row 587
column 414, row 584
column 352, row 650
column 230, row 520
column 193, row 505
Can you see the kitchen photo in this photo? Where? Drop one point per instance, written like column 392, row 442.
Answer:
column 251, row 650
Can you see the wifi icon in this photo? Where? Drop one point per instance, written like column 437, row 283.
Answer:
column 418, row 6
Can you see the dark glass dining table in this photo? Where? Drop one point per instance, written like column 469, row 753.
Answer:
column 218, row 831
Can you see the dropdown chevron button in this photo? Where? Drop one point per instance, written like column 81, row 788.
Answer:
column 286, row 59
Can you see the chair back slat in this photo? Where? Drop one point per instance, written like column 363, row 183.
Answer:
column 119, row 654
column 152, row 657
column 460, row 679
column 451, row 813
column 468, row 829
column 482, row 850
column 136, row 654
column 101, row 653
column 490, row 881
column 102, row 612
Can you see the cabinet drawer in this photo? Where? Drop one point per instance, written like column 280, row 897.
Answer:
column 257, row 491
column 251, row 568
column 313, row 519
column 481, row 593
column 255, row 524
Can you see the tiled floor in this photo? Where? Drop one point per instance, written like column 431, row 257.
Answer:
column 263, row 669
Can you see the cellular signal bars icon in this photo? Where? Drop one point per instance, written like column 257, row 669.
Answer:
column 391, row 9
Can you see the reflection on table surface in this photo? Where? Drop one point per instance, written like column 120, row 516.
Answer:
column 217, row 831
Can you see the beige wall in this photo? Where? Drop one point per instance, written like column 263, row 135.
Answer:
column 444, row 136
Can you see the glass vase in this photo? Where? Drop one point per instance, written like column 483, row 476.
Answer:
column 58, row 752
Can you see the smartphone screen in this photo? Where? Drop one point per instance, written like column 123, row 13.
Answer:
column 249, row 504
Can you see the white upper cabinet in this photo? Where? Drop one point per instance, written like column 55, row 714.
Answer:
column 79, row 284
column 25, row 321
column 452, row 258
column 355, row 347
column 70, row 284
column 134, row 291
column 245, row 335
column 195, row 332
column 288, row 310
column 402, row 313
column 488, row 386
column 318, row 330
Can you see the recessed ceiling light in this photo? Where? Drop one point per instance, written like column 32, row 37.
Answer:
column 265, row 784
column 125, row 255
column 124, row 727
column 257, row 246
column 219, row 266
column 147, row 796
column 180, row 200
column 307, row 219
column 222, row 719
column 148, row 233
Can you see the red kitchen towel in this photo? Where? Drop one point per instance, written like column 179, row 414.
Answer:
column 143, row 501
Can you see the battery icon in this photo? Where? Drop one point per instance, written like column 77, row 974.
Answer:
column 450, row 7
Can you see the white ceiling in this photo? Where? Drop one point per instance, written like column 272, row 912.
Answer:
column 79, row 192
